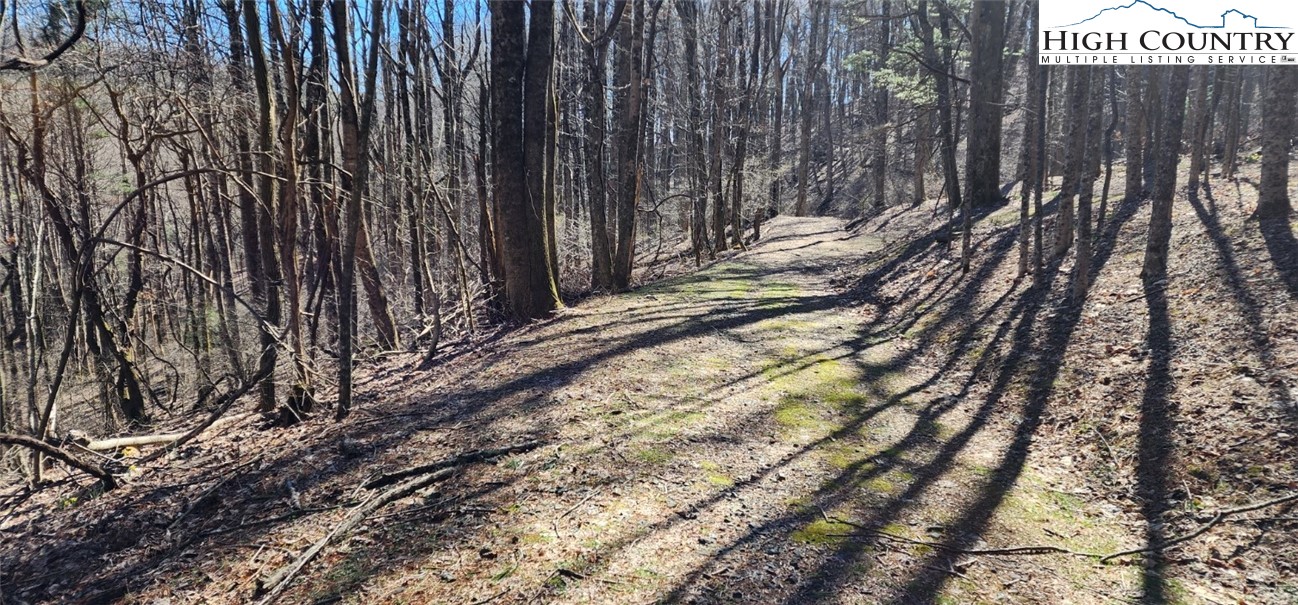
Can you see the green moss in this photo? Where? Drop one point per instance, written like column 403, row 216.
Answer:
column 652, row 455
column 797, row 413
column 535, row 538
column 844, row 455
column 1176, row 592
column 719, row 480
column 1038, row 508
column 504, row 572
column 880, row 485
column 671, row 424
column 799, row 503
column 821, row 531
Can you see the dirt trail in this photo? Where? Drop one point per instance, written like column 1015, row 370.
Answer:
column 711, row 431
column 704, row 436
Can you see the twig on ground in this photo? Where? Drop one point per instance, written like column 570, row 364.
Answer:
column 491, row 598
column 1012, row 551
column 1216, row 520
column 462, row 459
column 207, row 493
column 275, row 519
column 1117, row 463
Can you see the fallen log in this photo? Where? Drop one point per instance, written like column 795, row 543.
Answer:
column 63, row 456
column 113, row 443
column 104, row 445
column 387, row 479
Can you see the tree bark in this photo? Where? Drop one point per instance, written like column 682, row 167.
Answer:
column 630, row 141
column 1277, row 132
column 1160, row 220
column 355, row 116
column 530, row 291
column 983, row 164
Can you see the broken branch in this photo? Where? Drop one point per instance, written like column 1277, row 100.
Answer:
column 61, row 455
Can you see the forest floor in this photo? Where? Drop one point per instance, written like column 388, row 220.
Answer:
column 828, row 417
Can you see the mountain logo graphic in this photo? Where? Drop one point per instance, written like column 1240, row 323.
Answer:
column 1249, row 20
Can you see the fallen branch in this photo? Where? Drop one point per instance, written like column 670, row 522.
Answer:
column 415, row 479
column 275, row 584
column 103, row 445
column 1216, row 520
column 223, row 405
column 1011, row 551
column 63, row 456
column 459, row 460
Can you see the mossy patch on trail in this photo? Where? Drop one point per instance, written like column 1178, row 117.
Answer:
column 653, row 455
column 821, row 531
column 1035, row 508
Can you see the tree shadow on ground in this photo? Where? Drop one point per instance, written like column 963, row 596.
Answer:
column 1283, row 249
column 151, row 530
column 1284, row 254
column 1039, row 363
column 922, row 454
column 1155, row 444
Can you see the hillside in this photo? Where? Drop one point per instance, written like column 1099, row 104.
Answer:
column 830, row 416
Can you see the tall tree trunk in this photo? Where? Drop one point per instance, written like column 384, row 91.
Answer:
column 775, row 39
column 630, row 141
column 1086, row 180
column 530, row 290
column 302, row 397
column 1109, row 133
column 1039, row 180
column 879, row 121
column 1198, row 126
column 270, row 273
column 1075, row 157
column 688, row 10
column 538, row 125
column 745, row 120
column 1160, row 220
column 596, row 181
column 356, row 114
column 983, row 165
column 1136, row 130
column 806, row 98
column 1277, row 132
column 719, row 132
column 1031, row 152
column 945, row 102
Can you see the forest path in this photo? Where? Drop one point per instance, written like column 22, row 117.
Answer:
column 704, row 438
column 711, row 430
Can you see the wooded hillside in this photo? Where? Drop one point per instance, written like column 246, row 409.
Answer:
column 268, row 218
